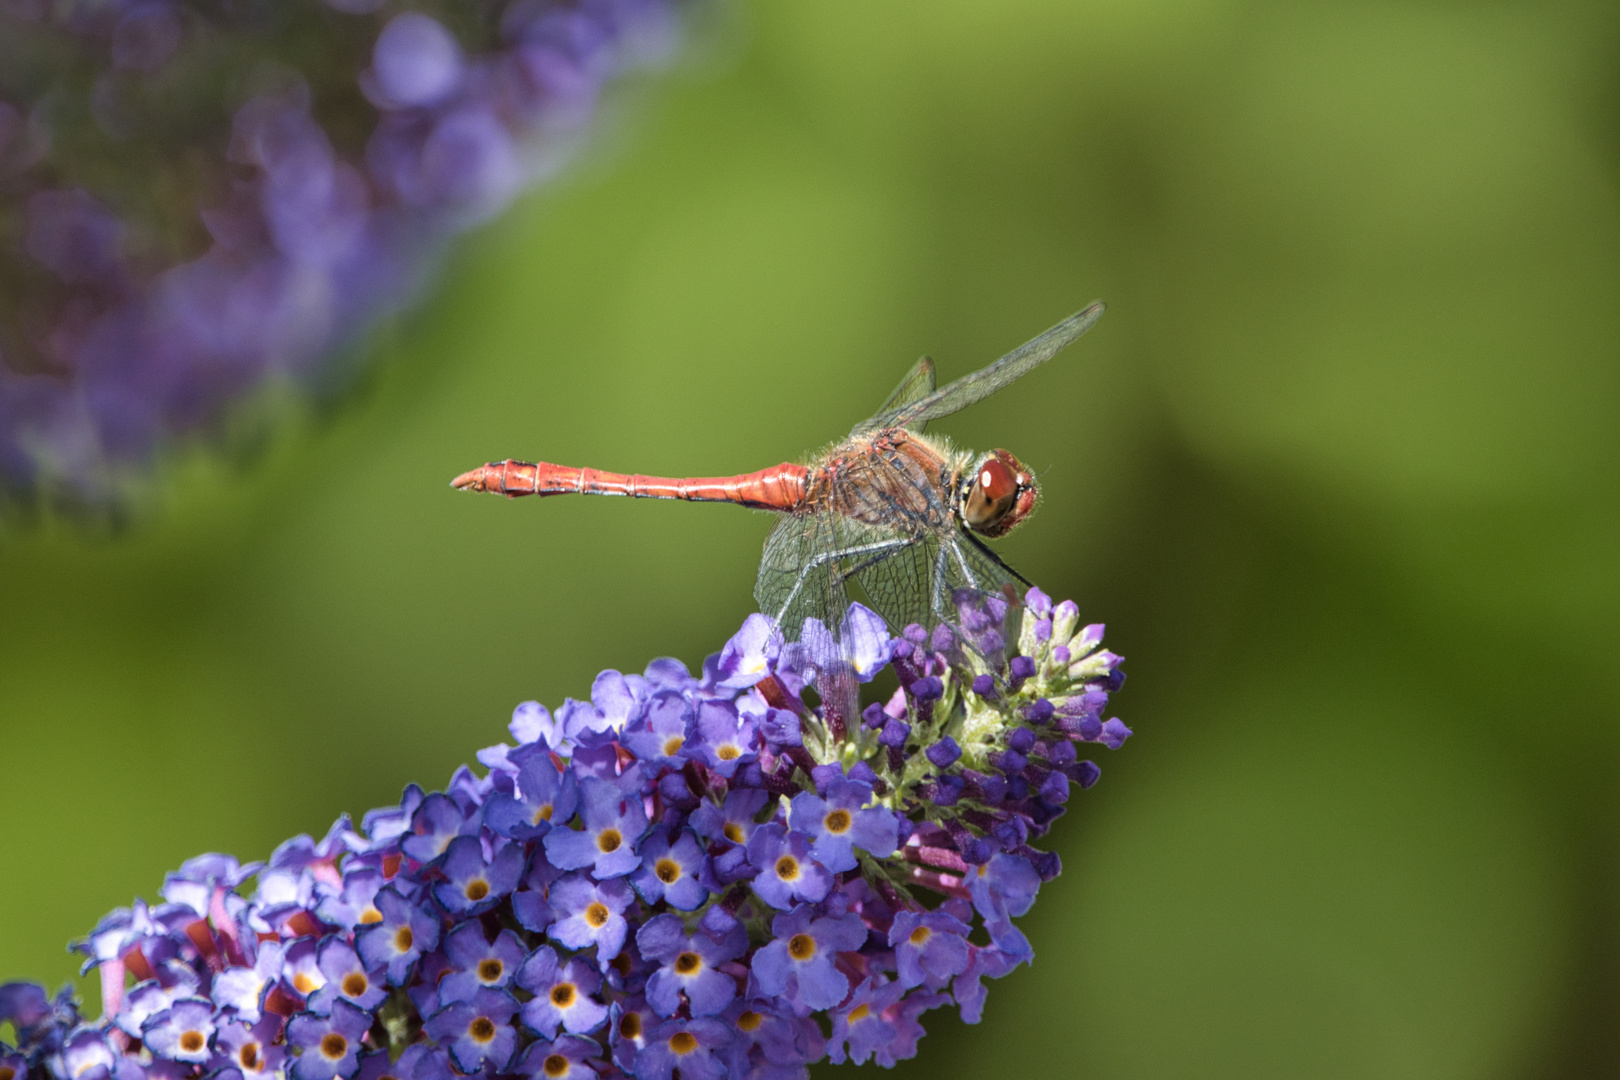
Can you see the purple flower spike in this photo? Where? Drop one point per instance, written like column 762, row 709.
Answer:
column 929, row 947
column 182, row 1032
column 478, row 1033
column 787, row 872
column 688, row 966
column 840, row 823
column 370, row 939
column 543, row 795
column 590, row 913
column 614, row 824
column 671, row 872
column 691, row 1046
column 562, row 994
column 800, row 965
column 347, row 976
column 399, row 939
column 475, row 885
column 480, row 964
column 327, row 1046
column 568, row 1058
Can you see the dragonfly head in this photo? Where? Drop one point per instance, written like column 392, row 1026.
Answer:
column 1001, row 494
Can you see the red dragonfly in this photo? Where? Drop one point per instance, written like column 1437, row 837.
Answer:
column 890, row 508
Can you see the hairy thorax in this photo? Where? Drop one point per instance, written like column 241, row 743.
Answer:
column 892, row 477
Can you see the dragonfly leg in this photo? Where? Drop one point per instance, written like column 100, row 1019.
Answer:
column 938, row 600
column 829, row 556
column 967, row 575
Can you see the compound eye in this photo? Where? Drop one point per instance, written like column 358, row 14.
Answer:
column 991, row 498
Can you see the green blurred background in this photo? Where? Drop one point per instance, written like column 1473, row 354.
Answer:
column 1338, row 469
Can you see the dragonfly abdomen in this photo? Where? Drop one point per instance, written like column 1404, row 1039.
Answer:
column 781, row 487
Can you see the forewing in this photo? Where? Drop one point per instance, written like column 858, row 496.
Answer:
column 918, row 383
column 792, row 586
column 973, row 388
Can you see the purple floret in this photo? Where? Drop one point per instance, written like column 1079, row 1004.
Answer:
column 182, row 1032
column 786, row 871
column 563, row 994
column 841, row 822
column 542, row 795
column 929, row 946
column 691, row 1046
column 347, row 976
column 800, row 964
column 568, row 1058
column 327, row 1046
column 399, row 939
column 475, row 884
column 671, row 872
column 590, row 913
column 477, row 1033
column 614, row 823
column 478, row 963
column 689, row 966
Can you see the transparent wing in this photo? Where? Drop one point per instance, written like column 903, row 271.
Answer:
column 808, row 562
column 973, row 388
column 919, row 382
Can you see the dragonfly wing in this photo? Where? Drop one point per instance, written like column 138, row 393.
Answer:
column 897, row 583
column 808, row 562
column 918, row 383
column 973, row 388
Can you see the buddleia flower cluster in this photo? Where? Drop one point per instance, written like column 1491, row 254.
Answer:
column 200, row 199
column 683, row 874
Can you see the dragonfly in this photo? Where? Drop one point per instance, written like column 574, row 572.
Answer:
column 899, row 513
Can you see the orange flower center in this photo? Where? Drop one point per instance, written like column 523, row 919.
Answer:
column 668, row 871
column 403, row 939
column 476, row 889
column 801, row 947
column 555, row 1065
column 683, row 1042
column 787, row 868
column 609, row 840
column 490, row 970
column 750, row 1021
column 837, row 822
column 562, row 995
column 920, row 935
column 733, row 832
column 333, row 1046
column 482, row 1029
column 687, row 963
column 597, row 914
column 355, row 984
column 193, row 1041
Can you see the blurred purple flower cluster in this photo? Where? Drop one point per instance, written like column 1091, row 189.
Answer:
column 200, row 199
column 683, row 874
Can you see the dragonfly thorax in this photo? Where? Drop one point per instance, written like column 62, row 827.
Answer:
column 998, row 494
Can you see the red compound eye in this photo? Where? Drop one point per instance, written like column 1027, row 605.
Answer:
column 1001, row 495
